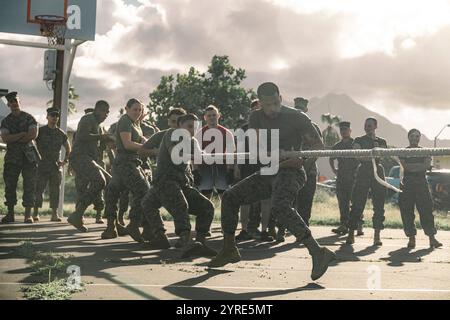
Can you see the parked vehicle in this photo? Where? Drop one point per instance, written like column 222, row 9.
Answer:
column 438, row 180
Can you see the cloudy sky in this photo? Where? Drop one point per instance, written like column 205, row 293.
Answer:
column 391, row 56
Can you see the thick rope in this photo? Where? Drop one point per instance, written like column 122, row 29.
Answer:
column 368, row 153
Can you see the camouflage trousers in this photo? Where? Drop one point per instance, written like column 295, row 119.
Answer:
column 48, row 175
column 11, row 173
column 81, row 185
column 89, row 183
column 305, row 197
column 281, row 188
column 124, row 199
column 344, row 187
column 180, row 201
column 416, row 193
column 365, row 182
column 126, row 176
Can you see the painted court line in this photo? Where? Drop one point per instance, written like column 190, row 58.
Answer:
column 249, row 288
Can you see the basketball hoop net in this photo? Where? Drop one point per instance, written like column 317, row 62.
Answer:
column 53, row 27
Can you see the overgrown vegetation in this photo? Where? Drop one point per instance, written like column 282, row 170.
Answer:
column 49, row 270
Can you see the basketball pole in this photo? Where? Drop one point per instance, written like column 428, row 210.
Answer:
column 68, row 56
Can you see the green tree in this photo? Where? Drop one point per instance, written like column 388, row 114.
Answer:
column 73, row 96
column 330, row 134
column 220, row 85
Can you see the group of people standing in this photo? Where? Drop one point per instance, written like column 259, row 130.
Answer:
column 280, row 202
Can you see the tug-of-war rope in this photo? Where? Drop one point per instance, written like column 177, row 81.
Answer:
column 359, row 153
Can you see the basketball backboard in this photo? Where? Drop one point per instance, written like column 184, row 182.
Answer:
column 18, row 16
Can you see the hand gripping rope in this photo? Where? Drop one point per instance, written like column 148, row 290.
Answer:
column 359, row 153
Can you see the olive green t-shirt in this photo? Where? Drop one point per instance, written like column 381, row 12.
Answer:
column 291, row 123
column 84, row 144
column 125, row 124
column 155, row 140
column 166, row 169
column 16, row 124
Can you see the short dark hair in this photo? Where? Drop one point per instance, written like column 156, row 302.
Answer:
column 410, row 132
column 101, row 104
column 176, row 111
column 132, row 101
column 373, row 119
column 268, row 89
column 211, row 108
column 186, row 117
column 254, row 103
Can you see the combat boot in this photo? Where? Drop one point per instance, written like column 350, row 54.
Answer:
column 9, row 218
column 159, row 241
column 341, row 230
column 281, row 235
column 55, row 217
column 27, row 215
column 265, row 237
column 350, row 237
column 434, row 243
column 36, row 214
column 228, row 254
column 204, row 251
column 121, row 230
column 183, row 240
column 321, row 257
column 360, row 230
column 134, row 232
column 147, row 233
column 76, row 220
column 272, row 232
column 243, row 236
column 110, row 232
column 377, row 238
column 321, row 261
column 188, row 247
column 98, row 217
column 412, row 242
column 254, row 233
column 120, row 220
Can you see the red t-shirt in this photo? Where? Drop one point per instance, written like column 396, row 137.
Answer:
column 207, row 140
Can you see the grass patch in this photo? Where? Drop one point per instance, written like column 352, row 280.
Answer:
column 54, row 290
column 50, row 269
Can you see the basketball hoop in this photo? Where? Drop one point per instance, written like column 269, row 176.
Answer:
column 53, row 27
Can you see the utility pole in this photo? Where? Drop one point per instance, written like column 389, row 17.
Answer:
column 58, row 83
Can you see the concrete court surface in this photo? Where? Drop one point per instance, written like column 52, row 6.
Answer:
column 122, row 269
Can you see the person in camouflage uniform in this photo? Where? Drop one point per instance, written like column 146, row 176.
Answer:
column 49, row 142
column 125, row 194
column 294, row 128
column 173, row 189
column 345, row 177
column 416, row 193
column 305, row 197
column 127, row 173
column 148, row 130
column 18, row 130
column 80, row 184
column 150, row 202
column 90, row 177
column 257, row 213
column 365, row 181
